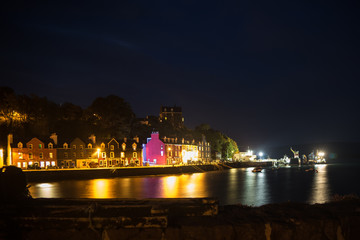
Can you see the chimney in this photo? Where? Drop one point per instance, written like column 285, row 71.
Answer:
column 9, row 157
column 155, row 135
column 54, row 137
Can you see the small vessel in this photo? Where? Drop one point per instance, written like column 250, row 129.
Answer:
column 318, row 158
column 257, row 169
column 311, row 170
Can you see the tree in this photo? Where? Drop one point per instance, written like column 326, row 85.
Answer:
column 110, row 117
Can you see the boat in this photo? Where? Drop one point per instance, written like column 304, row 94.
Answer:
column 318, row 158
column 257, row 169
column 311, row 170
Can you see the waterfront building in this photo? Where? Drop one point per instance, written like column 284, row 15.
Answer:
column 131, row 152
column 173, row 150
column 189, row 152
column 244, row 156
column 172, row 115
column 204, row 151
column 33, row 153
column 154, row 153
column 72, row 154
column 181, row 151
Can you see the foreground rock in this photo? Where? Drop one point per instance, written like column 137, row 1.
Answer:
column 176, row 219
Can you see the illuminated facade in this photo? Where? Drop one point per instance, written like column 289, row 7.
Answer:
column 103, row 154
column 133, row 153
column 154, row 153
column 181, row 151
column 33, row 154
column 74, row 153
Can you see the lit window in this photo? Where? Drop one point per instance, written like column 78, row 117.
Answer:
column 65, row 145
column 103, row 154
column 51, row 155
column 89, row 145
column 123, row 146
column 122, row 154
column 50, row 146
column 162, row 153
column 134, row 154
column 19, row 164
column 20, row 145
column 53, row 163
column 102, row 145
column 101, row 162
column 47, row 163
column 40, row 146
column 30, row 163
column 42, row 164
column 21, row 156
column 31, row 156
column 134, row 146
column 111, row 147
column 112, row 155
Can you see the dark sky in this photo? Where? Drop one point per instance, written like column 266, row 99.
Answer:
column 264, row 72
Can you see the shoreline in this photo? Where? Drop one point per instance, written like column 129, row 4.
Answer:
column 94, row 173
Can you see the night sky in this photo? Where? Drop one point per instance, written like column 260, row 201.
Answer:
column 265, row 73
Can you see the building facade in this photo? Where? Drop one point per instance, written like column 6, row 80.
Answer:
column 33, row 154
column 154, row 153
column 172, row 115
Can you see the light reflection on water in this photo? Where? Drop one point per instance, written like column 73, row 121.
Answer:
column 234, row 186
column 320, row 187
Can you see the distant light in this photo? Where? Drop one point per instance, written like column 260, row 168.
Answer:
column 44, row 185
column 261, row 154
column 321, row 154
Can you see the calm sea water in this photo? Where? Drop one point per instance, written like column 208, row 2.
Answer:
column 234, row 186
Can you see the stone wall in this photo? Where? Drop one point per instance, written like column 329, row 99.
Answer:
column 177, row 219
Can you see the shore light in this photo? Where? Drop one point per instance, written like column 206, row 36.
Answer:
column 261, row 154
column 321, row 154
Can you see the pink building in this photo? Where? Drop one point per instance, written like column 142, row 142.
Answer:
column 155, row 151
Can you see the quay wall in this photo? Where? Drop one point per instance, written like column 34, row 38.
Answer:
column 94, row 173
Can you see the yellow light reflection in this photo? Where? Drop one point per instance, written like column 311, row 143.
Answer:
column 100, row 188
column 44, row 190
column 194, row 185
column 320, row 188
column 171, row 187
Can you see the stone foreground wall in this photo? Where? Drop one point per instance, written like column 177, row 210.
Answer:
column 177, row 219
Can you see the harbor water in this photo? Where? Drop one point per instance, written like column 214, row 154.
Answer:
column 233, row 186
